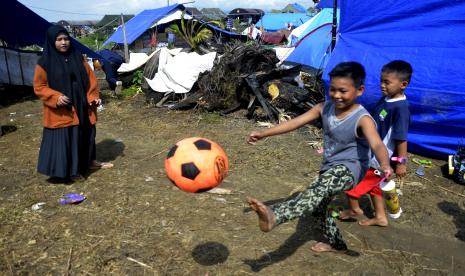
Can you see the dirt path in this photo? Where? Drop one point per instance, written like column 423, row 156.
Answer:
column 135, row 222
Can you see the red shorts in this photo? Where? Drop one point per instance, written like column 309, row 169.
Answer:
column 369, row 184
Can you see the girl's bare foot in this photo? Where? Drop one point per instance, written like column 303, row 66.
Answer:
column 323, row 247
column 374, row 221
column 350, row 214
column 266, row 217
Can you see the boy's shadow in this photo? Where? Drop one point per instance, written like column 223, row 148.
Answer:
column 458, row 214
column 307, row 229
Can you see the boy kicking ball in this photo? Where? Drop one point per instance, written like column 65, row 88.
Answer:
column 349, row 133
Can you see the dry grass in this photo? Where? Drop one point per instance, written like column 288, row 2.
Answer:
column 131, row 226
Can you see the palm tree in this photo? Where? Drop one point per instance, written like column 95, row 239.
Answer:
column 194, row 32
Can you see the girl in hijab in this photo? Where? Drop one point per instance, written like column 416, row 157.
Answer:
column 67, row 86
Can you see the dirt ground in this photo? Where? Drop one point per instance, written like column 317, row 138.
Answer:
column 135, row 222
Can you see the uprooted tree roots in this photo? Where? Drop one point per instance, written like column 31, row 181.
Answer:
column 224, row 86
column 246, row 76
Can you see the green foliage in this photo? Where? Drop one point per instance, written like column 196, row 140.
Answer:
column 93, row 41
column 237, row 24
column 138, row 77
column 136, row 83
column 193, row 32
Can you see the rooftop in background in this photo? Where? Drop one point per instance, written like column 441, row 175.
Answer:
column 77, row 22
column 213, row 13
column 246, row 14
column 113, row 20
column 195, row 12
column 294, row 8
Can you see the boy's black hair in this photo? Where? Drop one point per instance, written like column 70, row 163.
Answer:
column 352, row 70
column 402, row 68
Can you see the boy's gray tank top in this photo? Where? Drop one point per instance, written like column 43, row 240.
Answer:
column 342, row 146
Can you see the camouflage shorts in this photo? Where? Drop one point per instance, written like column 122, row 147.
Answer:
column 315, row 199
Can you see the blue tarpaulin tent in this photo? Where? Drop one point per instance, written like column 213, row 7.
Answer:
column 323, row 4
column 273, row 22
column 312, row 46
column 430, row 35
column 143, row 21
column 325, row 16
column 22, row 27
column 140, row 23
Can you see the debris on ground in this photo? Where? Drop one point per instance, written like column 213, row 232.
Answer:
column 244, row 76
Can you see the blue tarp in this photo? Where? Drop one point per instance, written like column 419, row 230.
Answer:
column 140, row 23
column 145, row 19
column 273, row 22
column 323, row 4
column 430, row 35
column 22, row 27
column 222, row 32
column 325, row 16
column 314, row 49
column 313, row 46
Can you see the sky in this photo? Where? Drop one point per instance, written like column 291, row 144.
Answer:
column 55, row 10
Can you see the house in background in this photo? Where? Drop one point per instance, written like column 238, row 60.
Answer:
column 195, row 13
column 213, row 14
column 246, row 15
column 78, row 28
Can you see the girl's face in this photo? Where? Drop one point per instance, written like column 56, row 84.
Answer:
column 62, row 42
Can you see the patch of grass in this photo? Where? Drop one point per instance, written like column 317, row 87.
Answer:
column 211, row 118
column 11, row 215
column 130, row 91
column 93, row 41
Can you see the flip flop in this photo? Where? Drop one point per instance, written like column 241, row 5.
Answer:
column 100, row 165
column 425, row 162
column 420, row 170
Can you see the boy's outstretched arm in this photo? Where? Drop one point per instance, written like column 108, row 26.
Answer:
column 290, row 125
column 368, row 128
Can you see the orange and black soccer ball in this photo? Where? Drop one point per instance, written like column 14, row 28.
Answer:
column 196, row 164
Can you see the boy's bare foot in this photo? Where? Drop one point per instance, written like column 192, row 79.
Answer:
column 266, row 217
column 321, row 247
column 374, row 221
column 350, row 214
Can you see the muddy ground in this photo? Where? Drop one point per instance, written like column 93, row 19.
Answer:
column 135, row 222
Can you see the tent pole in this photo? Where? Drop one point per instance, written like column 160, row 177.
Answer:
column 126, row 50
column 334, row 30
column 20, row 66
column 6, row 62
